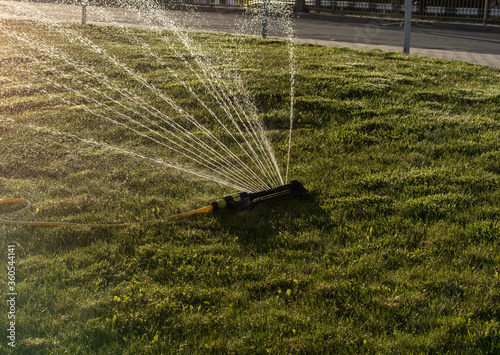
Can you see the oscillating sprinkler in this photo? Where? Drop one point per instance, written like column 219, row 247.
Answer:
column 244, row 200
column 239, row 201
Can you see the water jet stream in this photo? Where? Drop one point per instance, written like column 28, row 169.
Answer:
column 254, row 168
column 68, row 89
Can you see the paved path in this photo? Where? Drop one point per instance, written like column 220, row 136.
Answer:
column 471, row 44
column 336, row 31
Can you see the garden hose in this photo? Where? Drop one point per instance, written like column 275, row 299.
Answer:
column 12, row 202
column 236, row 202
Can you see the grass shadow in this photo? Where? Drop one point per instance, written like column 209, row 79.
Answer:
column 275, row 225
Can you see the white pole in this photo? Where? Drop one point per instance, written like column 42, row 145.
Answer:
column 84, row 13
column 264, row 18
column 407, row 29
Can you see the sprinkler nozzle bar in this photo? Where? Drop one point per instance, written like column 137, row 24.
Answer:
column 243, row 200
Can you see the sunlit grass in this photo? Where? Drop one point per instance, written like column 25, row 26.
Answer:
column 396, row 250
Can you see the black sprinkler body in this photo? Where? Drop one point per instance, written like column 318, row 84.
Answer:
column 244, row 200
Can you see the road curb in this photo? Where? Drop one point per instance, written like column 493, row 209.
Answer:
column 467, row 27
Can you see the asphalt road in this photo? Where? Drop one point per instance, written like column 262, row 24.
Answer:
column 368, row 31
column 471, row 43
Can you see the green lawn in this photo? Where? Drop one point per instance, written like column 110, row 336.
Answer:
column 396, row 251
